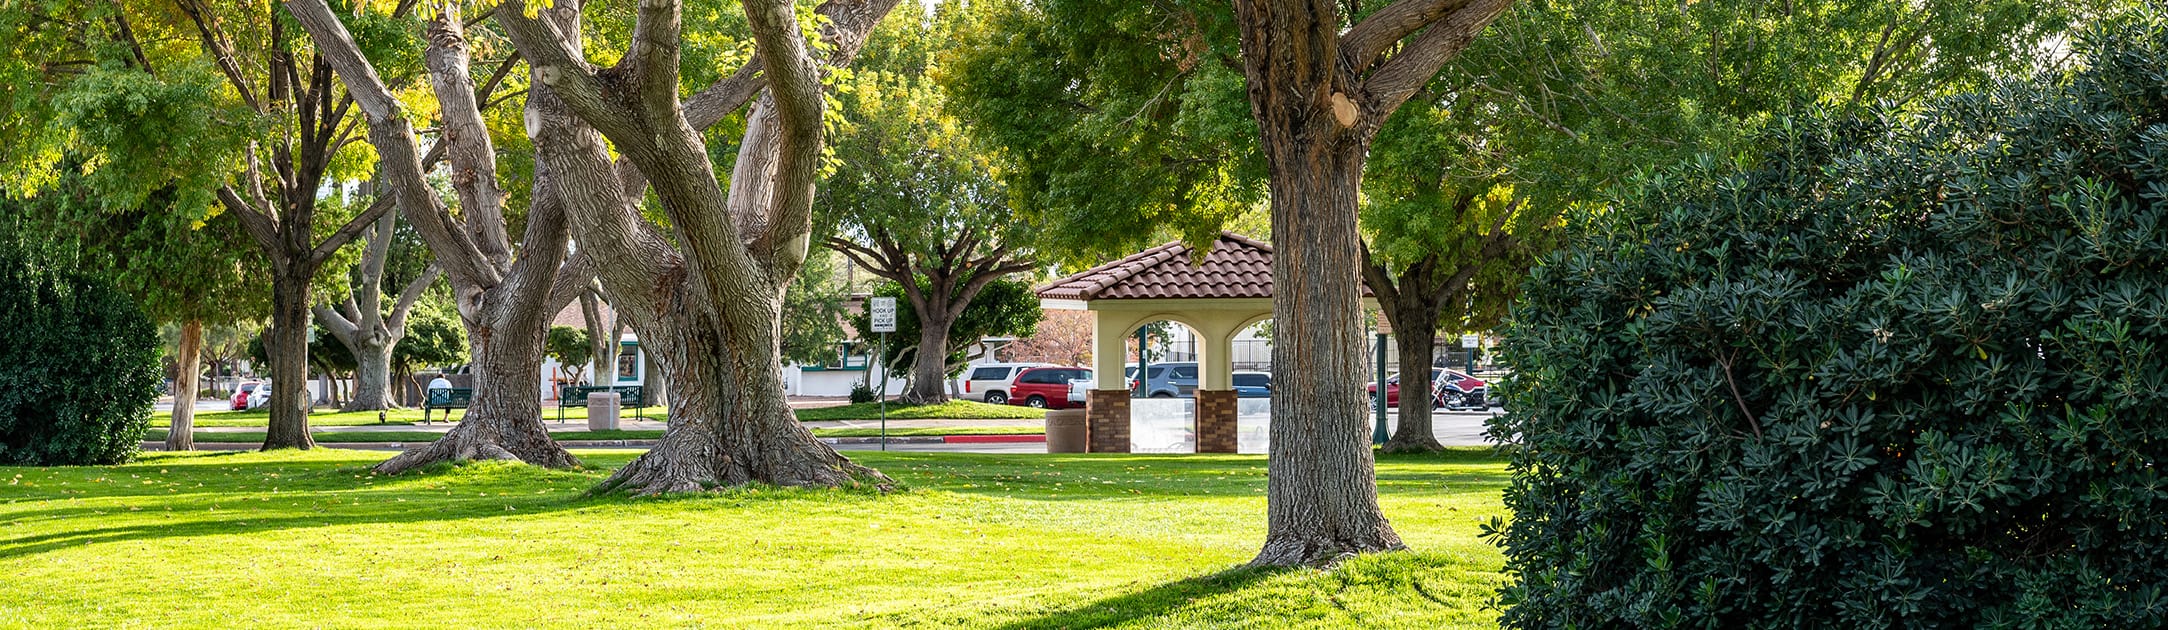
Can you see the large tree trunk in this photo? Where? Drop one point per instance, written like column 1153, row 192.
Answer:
column 602, row 337
column 1322, row 500
column 288, row 348
column 1320, row 91
column 504, row 421
column 929, row 369
column 188, row 364
column 372, row 375
column 1415, row 341
column 730, row 422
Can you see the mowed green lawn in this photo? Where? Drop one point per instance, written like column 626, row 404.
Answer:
column 1002, row 541
column 954, row 409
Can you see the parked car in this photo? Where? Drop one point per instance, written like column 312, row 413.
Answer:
column 1168, row 380
column 989, row 382
column 1253, row 384
column 1045, row 387
column 261, row 397
column 241, row 395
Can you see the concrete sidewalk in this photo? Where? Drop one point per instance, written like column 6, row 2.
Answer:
column 654, row 423
column 1452, row 428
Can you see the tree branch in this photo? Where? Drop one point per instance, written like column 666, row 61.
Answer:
column 1361, row 44
column 259, row 224
column 408, row 296
column 652, row 58
column 399, row 161
column 474, row 158
column 353, row 228
column 1400, row 75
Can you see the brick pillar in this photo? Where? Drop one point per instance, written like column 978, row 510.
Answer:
column 1106, row 419
column 1216, row 421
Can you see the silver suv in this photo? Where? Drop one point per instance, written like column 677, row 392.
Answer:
column 989, row 382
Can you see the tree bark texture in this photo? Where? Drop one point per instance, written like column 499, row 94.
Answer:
column 361, row 324
column 274, row 197
column 501, row 298
column 503, row 421
column 929, row 369
column 1319, row 96
column 288, row 348
column 602, row 336
column 1415, row 344
column 705, row 303
column 188, row 367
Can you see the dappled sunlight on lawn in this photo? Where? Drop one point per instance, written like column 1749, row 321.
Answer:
column 973, row 540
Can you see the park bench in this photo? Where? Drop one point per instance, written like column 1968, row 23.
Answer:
column 634, row 396
column 446, row 398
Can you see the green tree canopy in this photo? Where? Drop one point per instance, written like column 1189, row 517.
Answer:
column 1007, row 308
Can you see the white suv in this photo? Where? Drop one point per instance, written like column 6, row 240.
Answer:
column 989, row 382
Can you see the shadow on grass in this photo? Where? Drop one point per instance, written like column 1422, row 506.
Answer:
column 1152, row 603
column 124, row 503
column 184, row 496
column 1101, row 476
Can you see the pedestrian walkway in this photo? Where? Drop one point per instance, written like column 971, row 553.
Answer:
column 630, row 423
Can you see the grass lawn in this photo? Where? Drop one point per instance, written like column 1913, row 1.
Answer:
column 997, row 541
column 335, row 437
column 954, row 409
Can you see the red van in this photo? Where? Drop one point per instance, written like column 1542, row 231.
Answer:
column 1046, row 387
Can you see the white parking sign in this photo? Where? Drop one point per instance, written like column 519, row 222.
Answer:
column 883, row 312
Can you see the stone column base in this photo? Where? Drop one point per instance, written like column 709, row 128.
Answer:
column 1216, row 412
column 1106, row 417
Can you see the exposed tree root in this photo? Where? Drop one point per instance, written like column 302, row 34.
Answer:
column 478, row 439
column 690, row 459
column 1411, row 443
column 1320, row 552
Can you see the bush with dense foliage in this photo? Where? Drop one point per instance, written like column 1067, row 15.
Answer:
column 79, row 367
column 1905, row 370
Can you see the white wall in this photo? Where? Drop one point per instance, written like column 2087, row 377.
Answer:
column 798, row 381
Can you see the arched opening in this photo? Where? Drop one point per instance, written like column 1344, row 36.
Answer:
column 1162, row 358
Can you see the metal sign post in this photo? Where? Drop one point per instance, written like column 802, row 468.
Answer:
column 1381, row 434
column 1470, row 343
column 882, row 310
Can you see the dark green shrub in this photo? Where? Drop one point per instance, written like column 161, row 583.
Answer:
column 1909, row 370
column 862, row 393
column 78, row 367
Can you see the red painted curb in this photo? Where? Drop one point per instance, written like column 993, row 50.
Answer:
column 981, row 439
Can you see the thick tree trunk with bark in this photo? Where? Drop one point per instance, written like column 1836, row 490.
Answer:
column 1322, row 500
column 188, row 365
column 929, row 368
column 502, row 297
column 706, row 302
column 503, row 421
column 1415, row 344
column 287, row 345
column 730, row 421
column 602, row 336
column 1320, row 90
column 372, row 376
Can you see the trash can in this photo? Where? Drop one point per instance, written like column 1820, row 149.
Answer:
column 602, row 411
column 1065, row 431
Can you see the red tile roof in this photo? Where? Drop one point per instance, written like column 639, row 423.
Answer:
column 1236, row 267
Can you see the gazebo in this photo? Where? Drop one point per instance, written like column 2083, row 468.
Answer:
column 1217, row 297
